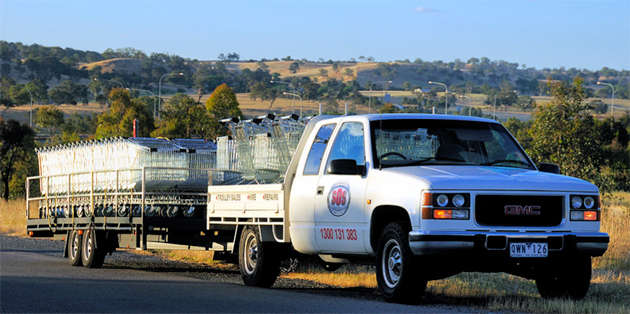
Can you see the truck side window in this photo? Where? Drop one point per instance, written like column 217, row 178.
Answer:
column 349, row 143
column 314, row 159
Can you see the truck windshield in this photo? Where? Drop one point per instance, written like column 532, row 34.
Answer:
column 405, row 142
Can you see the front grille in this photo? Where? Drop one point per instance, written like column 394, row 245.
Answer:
column 519, row 210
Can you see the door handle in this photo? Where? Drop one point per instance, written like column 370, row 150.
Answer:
column 320, row 190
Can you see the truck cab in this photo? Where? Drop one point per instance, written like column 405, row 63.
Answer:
column 420, row 192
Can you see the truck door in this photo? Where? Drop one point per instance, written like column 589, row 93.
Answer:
column 304, row 190
column 340, row 220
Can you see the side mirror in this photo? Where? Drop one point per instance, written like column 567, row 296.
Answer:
column 345, row 166
column 549, row 167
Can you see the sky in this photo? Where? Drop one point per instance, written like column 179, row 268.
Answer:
column 535, row 33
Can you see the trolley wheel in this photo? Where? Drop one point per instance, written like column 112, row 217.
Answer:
column 92, row 253
column 74, row 248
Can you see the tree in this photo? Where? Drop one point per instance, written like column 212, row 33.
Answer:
column 39, row 90
column 51, row 119
column 201, row 79
column 223, row 104
column 526, row 103
column 264, row 91
column 349, row 72
column 323, row 72
column 19, row 95
column 5, row 97
column 16, row 142
column 564, row 132
column 388, row 108
column 386, row 70
column 183, row 117
column 118, row 119
column 68, row 93
column 599, row 107
column 81, row 124
column 331, row 106
column 294, row 67
column 263, row 66
column 335, row 67
column 233, row 57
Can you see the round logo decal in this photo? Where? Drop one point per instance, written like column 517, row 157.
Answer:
column 339, row 199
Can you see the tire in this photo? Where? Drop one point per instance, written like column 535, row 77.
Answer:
column 569, row 279
column 92, row 255
column 75, row 244
column 258, row 261
column 398, row 276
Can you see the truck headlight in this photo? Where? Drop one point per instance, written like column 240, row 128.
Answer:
column 589, row 202
column 446, row 206
column 459, row 200
column 576, row 202
column 584, row 208
column 442, row 200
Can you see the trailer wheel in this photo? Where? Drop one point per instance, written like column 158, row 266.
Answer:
column 258, row 261
column 74, row 248
column 399, row 280
column 570, row 279
column 92, row 255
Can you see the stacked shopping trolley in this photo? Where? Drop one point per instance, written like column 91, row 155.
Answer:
column 259, row 149
column 156, row 177
column 113, row 177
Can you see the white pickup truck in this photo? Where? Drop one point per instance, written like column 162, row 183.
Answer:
column 422, row 197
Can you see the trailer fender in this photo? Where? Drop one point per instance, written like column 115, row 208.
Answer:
column 266, row 233
column 237, row 238
column 65, row 244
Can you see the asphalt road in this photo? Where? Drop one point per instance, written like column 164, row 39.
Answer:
column 37, row 281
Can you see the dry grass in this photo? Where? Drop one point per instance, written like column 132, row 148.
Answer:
column 610, row 286
column 13, row 217
column 197, row 257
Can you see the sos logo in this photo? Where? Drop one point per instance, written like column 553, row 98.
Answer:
column 339, row 199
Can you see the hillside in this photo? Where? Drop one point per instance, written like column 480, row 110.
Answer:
column 121, row 65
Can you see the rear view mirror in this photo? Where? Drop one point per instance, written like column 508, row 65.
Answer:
column 345, row 166
column 549, row 167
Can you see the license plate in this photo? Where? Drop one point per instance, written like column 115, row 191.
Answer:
column 528, row 249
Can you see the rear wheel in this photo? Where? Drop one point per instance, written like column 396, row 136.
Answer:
column 258, row 261
column 569, row 279
column 399, row 280
column 74, row 248
column 92, row 255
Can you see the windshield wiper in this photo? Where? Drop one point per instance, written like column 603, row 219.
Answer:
column 505, row 160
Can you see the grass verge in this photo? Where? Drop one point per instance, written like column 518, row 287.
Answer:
column 13, row 217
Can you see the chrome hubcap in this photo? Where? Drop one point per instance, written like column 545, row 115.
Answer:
column 392, row 263
column 251, row 253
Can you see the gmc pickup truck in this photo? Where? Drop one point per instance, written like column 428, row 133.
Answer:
column 421, row 197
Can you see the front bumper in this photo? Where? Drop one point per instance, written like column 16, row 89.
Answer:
column 435, row 243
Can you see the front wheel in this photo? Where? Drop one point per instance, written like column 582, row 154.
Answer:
column 258, row 261
column 399, row 280
column 569, row 279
